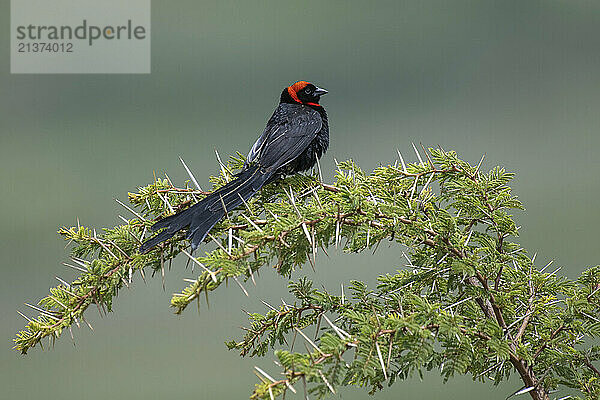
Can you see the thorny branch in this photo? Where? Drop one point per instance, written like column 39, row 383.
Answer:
column 289, row 221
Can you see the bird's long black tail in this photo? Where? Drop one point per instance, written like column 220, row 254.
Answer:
column 202, row 216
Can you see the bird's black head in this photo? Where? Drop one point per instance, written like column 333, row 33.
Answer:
column 303, row 92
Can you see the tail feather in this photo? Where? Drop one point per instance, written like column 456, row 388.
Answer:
column 202, row 228
column 176, row 221
column 202, row 216
column 204, row 220
column 153, row 241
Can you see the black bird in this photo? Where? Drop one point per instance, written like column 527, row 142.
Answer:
column 295, row 136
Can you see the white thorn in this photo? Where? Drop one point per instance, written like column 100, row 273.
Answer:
column 24, row 316
column 219, row 244
column 326, row 382
column 241, row 286
column 335, row 328
column 479, row 165
column 74, row 267
column 319, row 169
column 223, row 168
column 63, row 282
column 381, row 360
column 190, row 174
column 246, row 204
column 127, row 208
column 269, row 377
column 547, row 265
column 468, row 238
column 211, row 273
column 428, row 182
column 166, row 201
column 230, row 240
column 268, row 305
column 402, row 161
column 418, row 155
column 309, row 341
column 252, row 223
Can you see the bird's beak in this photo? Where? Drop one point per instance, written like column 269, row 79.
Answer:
column 320, row 92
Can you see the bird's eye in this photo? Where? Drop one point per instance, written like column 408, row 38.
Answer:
column 308, row 90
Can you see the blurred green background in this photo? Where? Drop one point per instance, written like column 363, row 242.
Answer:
column 516, row 80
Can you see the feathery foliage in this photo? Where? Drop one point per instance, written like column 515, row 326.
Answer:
column 470, row 300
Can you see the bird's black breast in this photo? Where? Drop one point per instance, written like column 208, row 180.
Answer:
column 317, row 147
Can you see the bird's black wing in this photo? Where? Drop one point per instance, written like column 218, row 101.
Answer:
column 288, row 133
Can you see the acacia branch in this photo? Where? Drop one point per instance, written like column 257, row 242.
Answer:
column 426, row 316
